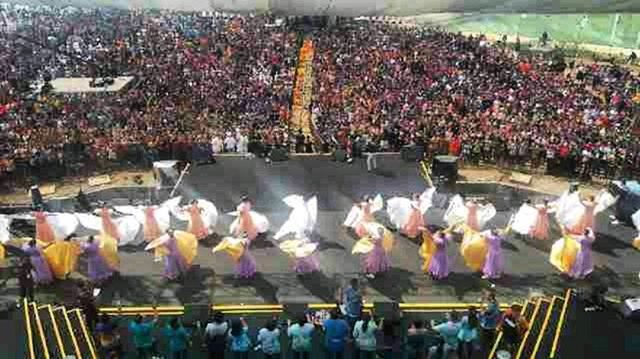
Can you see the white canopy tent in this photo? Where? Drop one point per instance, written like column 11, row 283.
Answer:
column 362, row 7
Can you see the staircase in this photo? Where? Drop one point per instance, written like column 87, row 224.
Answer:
column 303, row 90
column 56, row 333
column 546, row 320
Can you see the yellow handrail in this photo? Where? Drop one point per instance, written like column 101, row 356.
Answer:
column 45, row 346
column 544, row 327
column 526, row 335
column 556, row 339
column 27, row 321
column 74, row 340
column 56, row 331
column 85, row 333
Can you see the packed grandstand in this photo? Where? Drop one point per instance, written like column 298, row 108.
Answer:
column 209, row 82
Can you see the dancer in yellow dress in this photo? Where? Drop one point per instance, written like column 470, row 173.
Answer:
column 62, row 257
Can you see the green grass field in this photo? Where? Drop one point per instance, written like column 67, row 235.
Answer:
column 596, row 29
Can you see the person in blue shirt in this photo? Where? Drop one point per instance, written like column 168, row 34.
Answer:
column 239, row 337
column 449, row 333
column 301, row 338
column 489, row 319
column 269, row 340
column 352, row 301
column 178, row 338
column 336, row 332
column 142, row 335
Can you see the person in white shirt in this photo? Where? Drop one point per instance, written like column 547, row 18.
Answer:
column 364, row 334
column 269, row 340
column 216, row 333
column 230, row 143
column 216, row 144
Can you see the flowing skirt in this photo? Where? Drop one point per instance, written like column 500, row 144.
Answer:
column 41, row 271
column 416, row 220
column 494, row 264
column 307, row 264
column 44, row 232
column 196, row 226
column 541, row 228
column 246, row 265
column 587, row 220
column 248, row 226
column 583, row 266
column 377, row 260
column 174, row 266
column 636, row 243
column 439, row 264
column 98, row 269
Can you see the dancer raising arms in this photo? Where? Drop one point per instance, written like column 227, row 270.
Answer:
column 434, row 253
column 407, row 215
column 375, row 245
column 301, row 222
column 102, row 257
column 362, row 213
column 238, row 250
column 248, row 222
column 180, row 250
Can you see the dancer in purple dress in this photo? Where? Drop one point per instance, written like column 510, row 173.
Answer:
column 377, row 261
column 308, row 264
column 494, row 263
column 97, row 267
column 439, row 264
column 583, row 265
column 174, row 264
column 41, row 270
column 246, row 265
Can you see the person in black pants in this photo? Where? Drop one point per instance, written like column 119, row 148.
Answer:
column 25, row 280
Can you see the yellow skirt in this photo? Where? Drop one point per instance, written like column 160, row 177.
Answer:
column 563, row 253
column 474, row 249
column 62, row 257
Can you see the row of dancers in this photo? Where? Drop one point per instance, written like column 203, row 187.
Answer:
column 55, row 250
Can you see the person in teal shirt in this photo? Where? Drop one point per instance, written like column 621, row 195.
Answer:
column 449, row 333
column 142, row 334
column 301, row 336
column 178, row 338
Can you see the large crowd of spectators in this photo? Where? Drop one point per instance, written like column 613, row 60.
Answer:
column 195, row 78
column 205, row 84
column 384, row 87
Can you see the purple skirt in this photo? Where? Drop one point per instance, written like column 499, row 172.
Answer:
column 307, row 264
column 583, row 266
column 439, row 265
column 376, row 261
column 97, row 268
column 494, row 264
column 246, row 266
column 173, row 266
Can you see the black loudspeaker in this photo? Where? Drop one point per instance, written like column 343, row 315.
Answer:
column 295, row 310
column 83, row 202
column 340, row 155
column 195, row 312
column 278, row 155
column 444, row 169
column 386, row 309
column 631, row 309
column 36, row 197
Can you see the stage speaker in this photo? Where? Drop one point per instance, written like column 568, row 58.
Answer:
column 194, row 312
column 36, row 197
column 445, row 168
column 631, row 308
column 295, row 310
column 409, row 153
column 340, row 155
column 278, row 155
column 386, row 310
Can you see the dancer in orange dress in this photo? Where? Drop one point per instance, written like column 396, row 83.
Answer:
column 108, row 227
column 151, row 227
column 416, row 219
column 362, row 213
column 44, row 232
column 246, row 222
column 196, row 224
column 541, row 228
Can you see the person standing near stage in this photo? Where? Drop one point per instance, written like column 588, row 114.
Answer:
column 352, row 302
column 25, row 280
column 489, row 319
column 336, row 333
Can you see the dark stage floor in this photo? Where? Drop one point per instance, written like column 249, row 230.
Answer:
column 337, row 185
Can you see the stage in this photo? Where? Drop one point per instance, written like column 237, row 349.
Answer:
column 337, row 186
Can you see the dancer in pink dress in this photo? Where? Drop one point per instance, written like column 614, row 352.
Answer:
column 196, row 224
column 44, row 232
column 246, row 222
column 541, row 228
column 472, row 216
column 151, row 227
column 416, row 219
column 588, row 218
column 367, row 216
column 108, row 227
